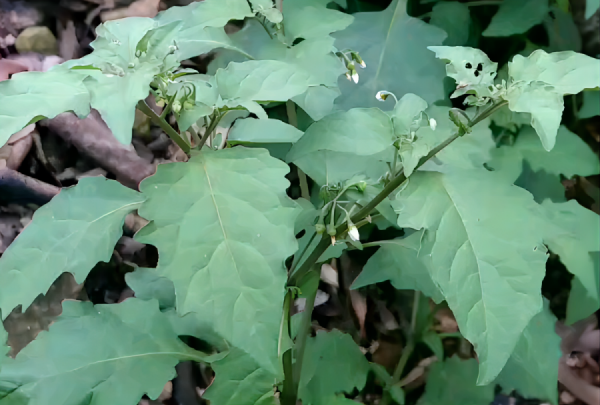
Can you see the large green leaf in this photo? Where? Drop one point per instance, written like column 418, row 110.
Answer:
column 31, row 96
column 454, row 18
column 239, row 380
column 539, row 82
column 516, row 17
column 570, row 156
column 572, row 232
column 73, row 232
column 532, row 369
column 228, row 228
column 345, row 144
column 311, row 19
column 103, row 354
column 252, row 130
column 360, row 131
column 453, row 382
column 487, row 255
column 333, row 364
column 394, row 47
column 405, row 262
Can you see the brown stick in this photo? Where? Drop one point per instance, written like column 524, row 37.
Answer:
column 92, row 137
column 18, row 188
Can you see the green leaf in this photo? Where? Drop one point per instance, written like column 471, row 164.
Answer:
column 454, row 18
column 572, row 232
column 333, row 364
column 202, row 25
column 544, row 105
column 116, row 98
column 223, row 241
column 405, row 262
column 532, row 369
column 591, row 104
column 40, row 95
column 252, row 130
column 4, row 349
column 581, row 303
column 571, row 156
column 345, row 144
column 360, row 131
column 310, row 19
column 242, row 84
column 103, row 354
column 591, row 6
column 391, row 41
column 240, row 380
column 318, row 101
column 330, row 167
column 516, row 17
column 147, row 285
column 73, row 232
column 563, row 34
column 476, row 221
column 463, row 65
column 567, row 72
column 539, row 82
column 454, row 382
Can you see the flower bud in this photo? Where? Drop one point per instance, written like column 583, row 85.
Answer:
column 358, row 59
column 432, row 124
column 320, row 228
column 354, row 76
column 353, row 233
column 331, row 230
column 176, row 106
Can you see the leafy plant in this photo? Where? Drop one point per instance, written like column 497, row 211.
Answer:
column 225, row 226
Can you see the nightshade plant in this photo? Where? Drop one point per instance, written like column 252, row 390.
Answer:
column 225, row 227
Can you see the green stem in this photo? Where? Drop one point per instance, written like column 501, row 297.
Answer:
column 406, row 352
column 288, row 396
column 211, row 127
column 302, row 336
column 167, row 110
column 387, row 190
column 290, row 108
column 164, row 125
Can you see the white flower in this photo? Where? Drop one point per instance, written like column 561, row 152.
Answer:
column 432, row 124
column 353, row 233
column 348, row 76
column 355, row 77
column 363, row 64
column 382, row 95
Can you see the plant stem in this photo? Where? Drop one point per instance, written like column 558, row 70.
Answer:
column 211, row 127
column 164, row 125
column 303, row 333
column 387, row 190
column 290, row 108
column 288, row 395
column 406, row 352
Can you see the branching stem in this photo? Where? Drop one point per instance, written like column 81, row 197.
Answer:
column 289, row 398
column 164, row 125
